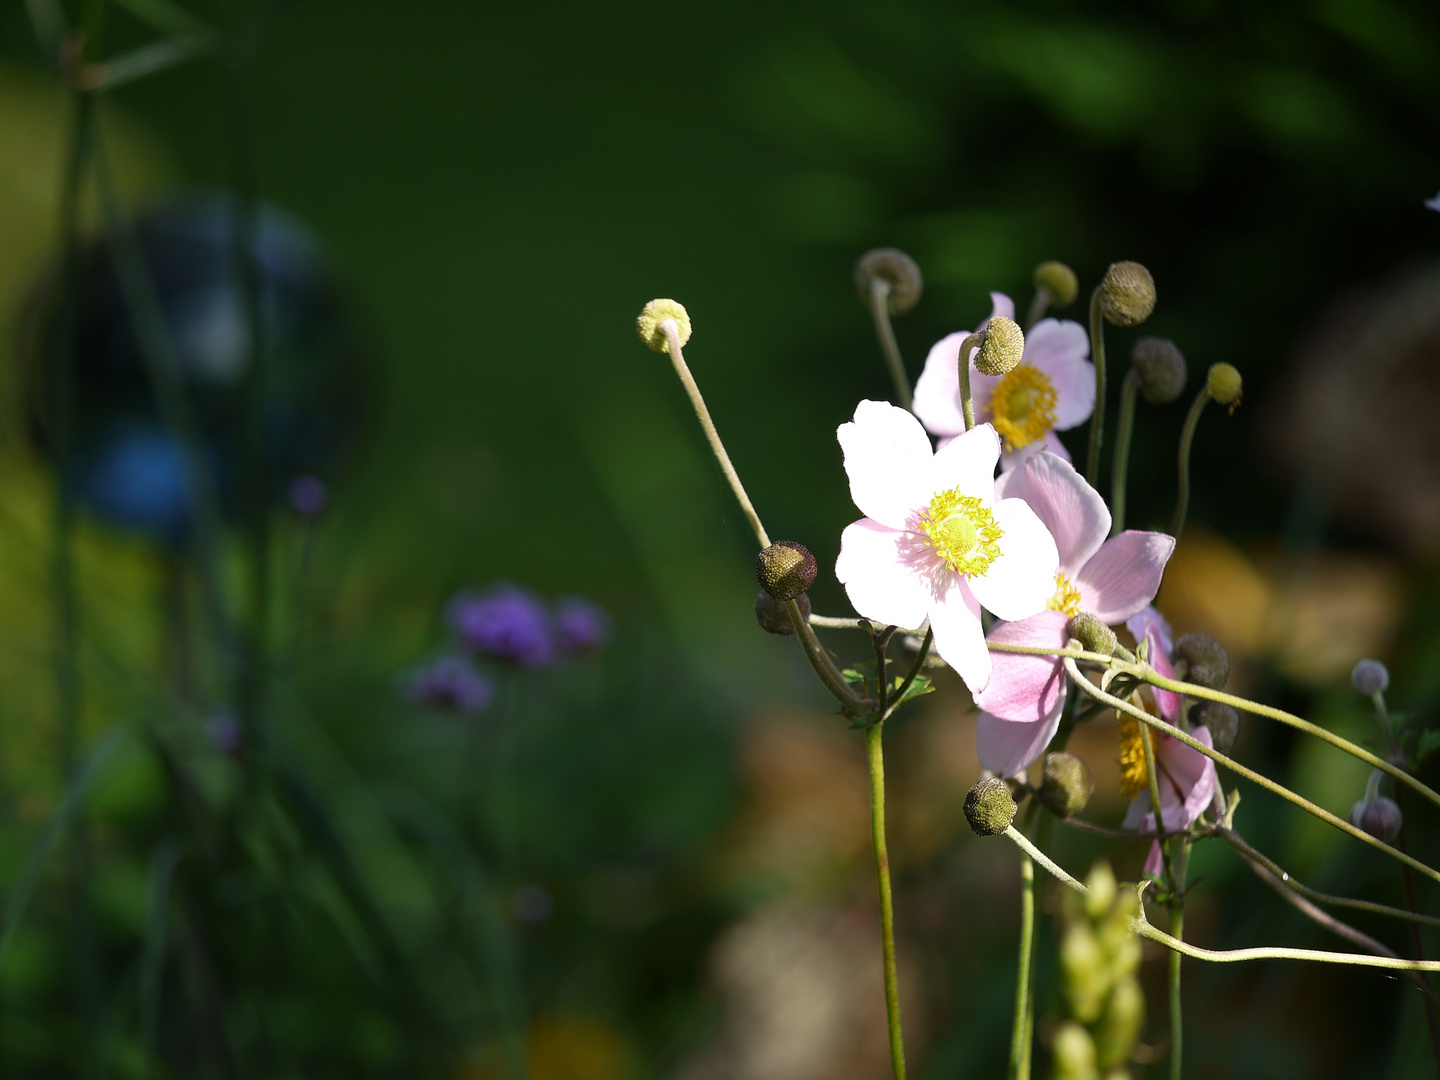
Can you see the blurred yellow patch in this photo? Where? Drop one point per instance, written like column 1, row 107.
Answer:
column 576, row 1048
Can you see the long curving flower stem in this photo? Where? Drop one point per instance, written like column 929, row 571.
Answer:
column 967, row 402
column 1187, row 437
column 1020, row 1029
column 1177, row 931
column 1124, row 430
column 876, row 758
column 880, row 309
column 1249, row 774
column 677, row 358
column 1097, row 421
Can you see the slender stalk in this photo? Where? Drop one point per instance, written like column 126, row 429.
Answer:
column 875, row 756
column 1129, row 391
column 1024, row 844
column 880, row 309
column 1045, row 650
column 1019, row 1034
column 911, row 677
column 1177, row 931
column 823, row 665
column 1154, row 678
column 967, row 402
column 1043, row 296
column 677, row 358
column 1250, row 774
column 1187, row 437
column 1097, row 421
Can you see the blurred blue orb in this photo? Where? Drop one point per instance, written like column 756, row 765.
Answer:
column 125, row 464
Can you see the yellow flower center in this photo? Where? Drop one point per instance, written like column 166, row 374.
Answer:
column 962, row 532
column 1066, row 598
column 1134, row 776
column 1023, row 405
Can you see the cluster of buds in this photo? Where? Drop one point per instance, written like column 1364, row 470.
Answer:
column 1099, row 957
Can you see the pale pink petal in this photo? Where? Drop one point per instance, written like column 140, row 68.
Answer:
column 959, row 638
column 1020, row 582
column 887, row 458
column 1167, row 700
column 937, row 391
column 1058, row 348
column 1146, row 619
column 982, row 390
column 968, row 462
column 886, row 578
column 1191, row 779
column 1024, row 688
column 1155, row 861
column 1049, row 442
column 1000, row 304
column 1069, row 507
column 1006, row 748
column 1124, row 575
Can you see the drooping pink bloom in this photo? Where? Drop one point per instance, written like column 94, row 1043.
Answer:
column 1187, row 785
column 1051, row 389
column 1113, row 579
column 935, row 541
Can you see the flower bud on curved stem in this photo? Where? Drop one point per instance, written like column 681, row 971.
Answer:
column 1066, row 786
column 1375, row 814
column 1093, row 634
column 1055, row 283
column 1127, row 294
column 1205, row 661
column 774, row 617
column 1370, row 677
column 1223, row 385
column 1222, row 720
column 785, row 569
column 889, row 283
column 990, row 807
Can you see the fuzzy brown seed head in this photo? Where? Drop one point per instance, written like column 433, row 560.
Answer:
column 774, row 617
column 1059, row 281
column 989, row 807
column 1206, row 663
column 1225, row 384
column 785, row 569
column 1127, row 294
column 1161, row 368
column 1092, row 633
column 1223, row 722
column 897, row 270
column 1066, row 786
column 1002, row 346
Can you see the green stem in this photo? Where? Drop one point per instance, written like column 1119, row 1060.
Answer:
column 911, row 676
column 1187, row 436
column 823, row 665
column 1019, row 1036
column 876, row 758
column 1240, row 770
column 1097, row 421
column 677, row 358
column 967, row 402
column 880, row 309
column 1038, row 305
column 1177, row 931
column 1057, row 871
column 1129, row 391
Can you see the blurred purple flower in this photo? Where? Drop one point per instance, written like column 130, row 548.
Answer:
column 505, row 622
column 223, row 731
column 451, row 682
column 580, row 626
column 1433, row 204
column 308, row 495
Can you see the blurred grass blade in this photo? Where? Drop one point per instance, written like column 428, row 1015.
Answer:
column 88, row 769
column 148, row 60
column 165, row 16
column 152, row 958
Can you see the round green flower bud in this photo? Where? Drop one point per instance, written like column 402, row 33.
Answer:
column 649, row 324
column 1380, row 817
column 1101, row 897
column 1222, row 721
column 1093, row 634
column 1001, row 346
column 785, row 569
column 1370, row 677
column 1161, row 368
column 1206, row 662
column 1074, row 1053
column 1066, row 787
column 1059, row 281
column 1119, row 1025
column 989, row 807
column 1225, row 384
column 896, row 269
column 774, row 617
column 1127, row 294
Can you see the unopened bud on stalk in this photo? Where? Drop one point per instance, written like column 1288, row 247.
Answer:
column 1161, row 368
column 1001, row 347
column 1101, row 897
column 989, row 807
column 1222, row 721
column 1067, row 786
column 1370, row 677
column 1074, row 1053
column 651, row 320
column 1127, row 294
column 1225, row 384
column 897, row 270
column 1375, row 814
column 1059, row 281
column 1206, row 662
column 1119, row 1025
column 1093, row 634
column 774, row 617
column 785, row 569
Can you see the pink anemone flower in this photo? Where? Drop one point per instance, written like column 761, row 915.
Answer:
column 1051, row 389
column 935, row 542
column 1187, row 786
column 1113, row 579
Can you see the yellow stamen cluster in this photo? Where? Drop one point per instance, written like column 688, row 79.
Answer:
column 1134, row 776
column 962, row 531
column 1066, row 598
column 1023, row 406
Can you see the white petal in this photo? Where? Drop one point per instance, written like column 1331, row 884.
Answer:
column 886, row 579
column 887, row 458
column 1020, row 582
column 968, row 462
column 959, row 638
column 1069, row 507
column 1007, row 747
column 937, row 391
column 1058, row 348
column 1000, row 304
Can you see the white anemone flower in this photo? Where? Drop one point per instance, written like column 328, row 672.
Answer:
column 934, row 542
column 1051, row 389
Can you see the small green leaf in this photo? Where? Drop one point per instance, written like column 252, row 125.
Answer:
column 1429, row 742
